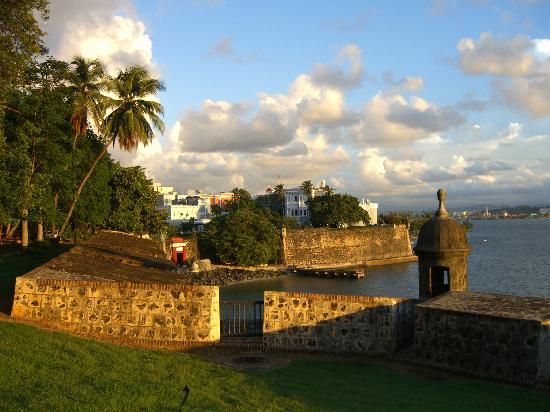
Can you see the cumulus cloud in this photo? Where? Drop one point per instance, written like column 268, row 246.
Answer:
column 293, row 149
column 395, row 121
column 418, row 114
column 526, row 94
column 406, row 84
column 99, row 30
column 336, row 77
column 521, row 64
column 223, row 126
column 496, row 55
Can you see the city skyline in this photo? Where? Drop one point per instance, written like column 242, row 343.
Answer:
column 383, row 101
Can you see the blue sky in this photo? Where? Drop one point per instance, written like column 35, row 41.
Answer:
column 386, row 100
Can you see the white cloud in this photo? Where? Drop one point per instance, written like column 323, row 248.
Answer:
column 522, row 64
column 223, row 126
column 496, row 55
column 394, row 121
column 527, row 94
column 336, row 76
column 96, row 29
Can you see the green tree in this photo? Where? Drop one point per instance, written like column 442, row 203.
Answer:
column 241, row 200
column 246, row 236
column 133, row 203
column 280, row 193
column 336, row 211
column 20, row 42
column 131, row 120
column 37, row 132
column 307, row 188
column 269, row 201
column 86, row 80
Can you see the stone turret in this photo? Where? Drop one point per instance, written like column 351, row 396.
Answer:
column 442, row 250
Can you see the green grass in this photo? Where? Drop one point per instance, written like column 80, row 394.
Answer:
column 41, row 370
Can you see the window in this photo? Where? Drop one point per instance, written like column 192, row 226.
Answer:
column 295, row 198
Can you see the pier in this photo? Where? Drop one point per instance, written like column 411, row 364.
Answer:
column 331, row 273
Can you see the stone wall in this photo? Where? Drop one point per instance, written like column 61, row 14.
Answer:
column 337, row 323
column 488, row 346
column 164, row 315
column 544, row 352
column 357, row 246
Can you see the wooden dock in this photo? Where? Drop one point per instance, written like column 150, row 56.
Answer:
column 331, row 273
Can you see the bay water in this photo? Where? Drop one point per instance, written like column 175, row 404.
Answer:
column 507, row 257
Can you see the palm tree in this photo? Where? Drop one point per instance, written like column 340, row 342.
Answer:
column 86, row 81
column 307, row 188
column 130, row 119
column 280, row 192
column 329, row 191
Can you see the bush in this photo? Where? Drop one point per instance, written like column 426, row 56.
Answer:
column 245, row 236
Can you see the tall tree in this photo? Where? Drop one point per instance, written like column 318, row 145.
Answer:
column 307, row 188
column 280, row 193
column 133, row 203
column 20, row 42
column 86, row 80
column 36, row 133
column 336, row 211
column 131, row 120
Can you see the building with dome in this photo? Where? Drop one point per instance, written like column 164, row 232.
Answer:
column 442, row 250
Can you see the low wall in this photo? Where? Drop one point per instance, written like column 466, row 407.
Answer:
column 164, row 315
column 544, row 352
column 337, row 323
column 515, row 350
column 356, row 246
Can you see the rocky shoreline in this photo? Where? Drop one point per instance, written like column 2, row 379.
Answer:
column 222, row 276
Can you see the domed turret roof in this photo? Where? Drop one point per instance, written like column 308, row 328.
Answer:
column 441, row 233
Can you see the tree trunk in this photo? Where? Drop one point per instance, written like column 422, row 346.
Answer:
column 1, row 230
column 40, row 231
column 11, row 231
column 79, row 190
column 55, row 202
column 25, row 229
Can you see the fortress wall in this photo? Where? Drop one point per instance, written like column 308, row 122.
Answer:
column 544, row 352
column 163, row 315
column 356, row 246
column 337, row 323
column 488, row 346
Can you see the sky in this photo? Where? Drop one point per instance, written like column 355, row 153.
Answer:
column 384, row 100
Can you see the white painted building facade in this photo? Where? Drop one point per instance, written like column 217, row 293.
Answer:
column 372, row 210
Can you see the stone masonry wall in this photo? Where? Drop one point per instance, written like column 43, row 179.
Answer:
column 544, row 352
column 323, row 247
column 336, row 323
column 166, row 315
column 488, row 346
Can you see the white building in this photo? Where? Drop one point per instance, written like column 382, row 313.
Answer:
column 372, row 210
column 182, row 207
column 296, row 204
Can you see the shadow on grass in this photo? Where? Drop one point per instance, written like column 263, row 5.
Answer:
column 349, row 386
column 14, row 262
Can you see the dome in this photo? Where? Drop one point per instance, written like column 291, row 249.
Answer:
column 441, row 233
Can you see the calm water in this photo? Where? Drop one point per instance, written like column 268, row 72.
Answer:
column 508, row 256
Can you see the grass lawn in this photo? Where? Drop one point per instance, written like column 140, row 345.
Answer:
column 41, row 370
